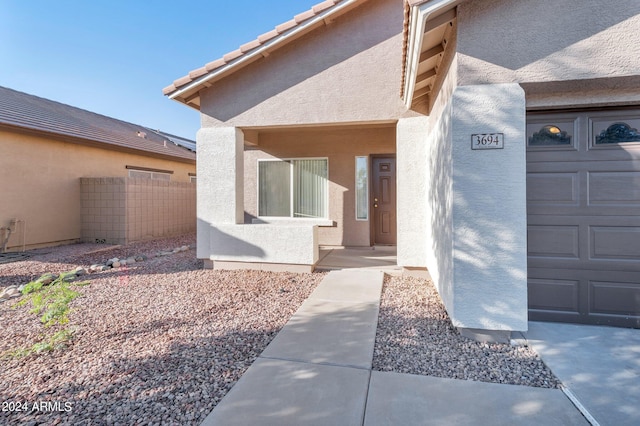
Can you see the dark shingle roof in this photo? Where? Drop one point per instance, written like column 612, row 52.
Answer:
column 32, row 113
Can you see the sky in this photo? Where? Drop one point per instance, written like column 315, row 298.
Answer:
column 114, row 57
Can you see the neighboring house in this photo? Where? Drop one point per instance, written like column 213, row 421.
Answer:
column 47, row 147
column 494, row 141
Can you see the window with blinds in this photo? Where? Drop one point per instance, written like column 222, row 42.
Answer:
column 293, row 188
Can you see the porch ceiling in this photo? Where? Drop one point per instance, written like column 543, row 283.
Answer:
column 252, row 134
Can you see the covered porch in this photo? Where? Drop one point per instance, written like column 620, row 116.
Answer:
column 270, row 198
column 381, row 258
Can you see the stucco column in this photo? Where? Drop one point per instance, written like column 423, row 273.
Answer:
column 412, row 172
column 489, row 208
column 220, row 170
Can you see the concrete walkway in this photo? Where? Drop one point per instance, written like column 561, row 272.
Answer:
column 317, row 371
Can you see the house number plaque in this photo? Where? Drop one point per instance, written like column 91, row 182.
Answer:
column 487, row 141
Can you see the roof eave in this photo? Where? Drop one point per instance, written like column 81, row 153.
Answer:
column 93, row 143
column 420, row 12
column 182, row 94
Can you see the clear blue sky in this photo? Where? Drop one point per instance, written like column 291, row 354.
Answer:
column 114, row 57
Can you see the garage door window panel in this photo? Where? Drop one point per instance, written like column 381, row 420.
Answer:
column 618, row 133
column 546, row 133
column 615, row 133
column 550, row 134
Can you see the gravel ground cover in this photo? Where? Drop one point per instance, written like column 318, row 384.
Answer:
column 162, row 341
column 156, row 342
column 415, row 336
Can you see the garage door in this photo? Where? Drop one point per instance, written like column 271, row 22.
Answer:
column 583, row 214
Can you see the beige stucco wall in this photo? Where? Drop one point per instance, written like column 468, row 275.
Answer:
column 224, row 240
column 347, row 71
column 413, row 189
column 41, row 184
column 591, row 46
column 439, row 200
column 488, row 210
column 340, row 146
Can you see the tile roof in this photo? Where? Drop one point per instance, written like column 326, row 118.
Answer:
column 32, row 113
column 279, row 30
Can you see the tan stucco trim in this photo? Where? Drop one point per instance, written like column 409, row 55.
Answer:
column 587, row 93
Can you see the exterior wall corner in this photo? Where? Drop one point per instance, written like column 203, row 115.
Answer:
column 489, row 208
column 412, row 169
column 220, row 171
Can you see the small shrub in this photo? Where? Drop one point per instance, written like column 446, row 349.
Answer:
column 51, row 302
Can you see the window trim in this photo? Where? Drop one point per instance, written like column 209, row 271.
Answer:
column 148, row 169
column 151, row 172
column 152, row 175
column 366, row 189
column 291, row 192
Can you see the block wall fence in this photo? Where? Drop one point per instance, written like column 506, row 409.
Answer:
column 119, row 210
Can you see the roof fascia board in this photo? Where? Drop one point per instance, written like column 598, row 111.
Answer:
column 264, row 49
column 59, row 137
column 419, row 16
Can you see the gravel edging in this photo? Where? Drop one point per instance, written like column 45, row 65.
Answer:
column 416, row 336
column 157, row 342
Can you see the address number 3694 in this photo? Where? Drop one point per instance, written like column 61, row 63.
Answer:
column 487, row 141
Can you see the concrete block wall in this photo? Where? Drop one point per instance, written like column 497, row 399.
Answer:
column 159, row 209
column 123, row 210
column 103, row 210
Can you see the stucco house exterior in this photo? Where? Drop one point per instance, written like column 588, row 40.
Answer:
column 48, row 148
column 494, row 142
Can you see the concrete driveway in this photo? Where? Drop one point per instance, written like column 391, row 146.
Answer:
column 599, row 366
